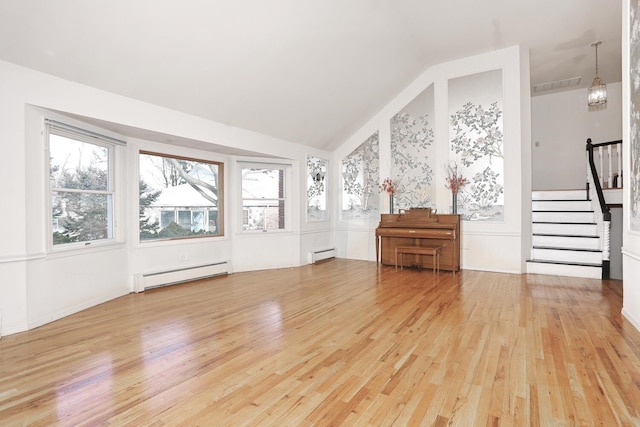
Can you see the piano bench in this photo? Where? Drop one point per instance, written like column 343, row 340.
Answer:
column 433, row 251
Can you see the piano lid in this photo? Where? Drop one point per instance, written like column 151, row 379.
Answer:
column 410, row 217
column 437, row 231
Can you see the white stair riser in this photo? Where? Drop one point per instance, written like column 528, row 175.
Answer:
column 563, row 217
column 559, row 195
column 564, row 270
column 566, row 255
column 570, row 217
column 575, row 205
column 613, row 196
column 565, row 229
column 576, row 242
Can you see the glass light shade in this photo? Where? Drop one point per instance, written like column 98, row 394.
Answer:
column 597, row 93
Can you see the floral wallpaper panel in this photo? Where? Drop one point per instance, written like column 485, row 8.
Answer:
column 360, row 172
column 317, row 189
column 476, row 144
column 413, row 153
column 634, row 92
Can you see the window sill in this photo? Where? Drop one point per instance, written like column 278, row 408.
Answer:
column 84, row 250
column 263, row 233
column 185, row 241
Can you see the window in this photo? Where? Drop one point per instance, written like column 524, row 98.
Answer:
column 264, row 199
column 81, row 184
column 179, row 197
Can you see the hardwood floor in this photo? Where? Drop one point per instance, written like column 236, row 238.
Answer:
column 340, row 343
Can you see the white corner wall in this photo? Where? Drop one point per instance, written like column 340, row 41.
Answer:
column 485, row 245
column 631, row 239
column 561, row 124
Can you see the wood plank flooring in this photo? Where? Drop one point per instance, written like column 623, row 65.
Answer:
column 340, row 343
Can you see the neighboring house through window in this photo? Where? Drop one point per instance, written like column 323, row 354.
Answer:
column 179, row 197
column 264, row 197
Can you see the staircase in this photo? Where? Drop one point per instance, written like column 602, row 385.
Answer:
column 565, row 239
column 569, row 237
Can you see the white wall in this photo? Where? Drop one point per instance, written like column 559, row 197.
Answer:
column 37, row 286
column 615, row 256
column 150, row 257
column 631, row 239
column 561, row 123
column 486, row 245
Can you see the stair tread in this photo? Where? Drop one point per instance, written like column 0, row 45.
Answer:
column 570, row 223
column 558, row 248
column 554, row 233
column 579, row 264
column 560, row 200
column 565, row 235
column 569, row 211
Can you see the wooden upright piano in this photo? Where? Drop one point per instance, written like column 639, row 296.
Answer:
column 419, row 227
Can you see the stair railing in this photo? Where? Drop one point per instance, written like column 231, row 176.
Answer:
column 592, row 172
column 608, row 160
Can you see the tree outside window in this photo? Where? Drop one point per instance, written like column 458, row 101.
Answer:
column 81, row 185
column 179, row 197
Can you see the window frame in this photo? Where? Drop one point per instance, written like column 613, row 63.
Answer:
column 286, row 199
column 81, row 133
column 220, row 208
column 325, row 195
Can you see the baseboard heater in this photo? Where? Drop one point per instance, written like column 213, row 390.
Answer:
column 322, row 255
column 181, row 275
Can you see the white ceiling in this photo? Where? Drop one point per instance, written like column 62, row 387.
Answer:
column 308, row 71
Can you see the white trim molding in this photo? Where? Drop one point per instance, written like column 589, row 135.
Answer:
column 631, row 319
column 21, row 257
column 630, row 254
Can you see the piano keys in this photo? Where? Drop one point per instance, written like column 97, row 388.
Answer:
column 419, row 227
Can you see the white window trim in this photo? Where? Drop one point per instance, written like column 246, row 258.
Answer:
column 288, row 176
column 83, row 133
column 222, row 168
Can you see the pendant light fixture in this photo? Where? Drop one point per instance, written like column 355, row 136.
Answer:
column 598, row 90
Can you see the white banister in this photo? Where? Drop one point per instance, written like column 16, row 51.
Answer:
column 601, row 163
column 603, row 214
column 588, row 177
column 619, row 156
column 610, row 171
column 606, row 240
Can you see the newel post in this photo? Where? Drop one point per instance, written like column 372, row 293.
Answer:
column 606, row 213
column 606, row 245
column 589, row 153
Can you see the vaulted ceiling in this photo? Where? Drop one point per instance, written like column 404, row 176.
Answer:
column 308, row 71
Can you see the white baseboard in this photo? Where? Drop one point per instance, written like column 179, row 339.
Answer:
column 75, row 309
column 179, row 275
column 13, row 330
column 627, row 315
column 491, row 270
column 322, row 255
